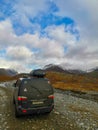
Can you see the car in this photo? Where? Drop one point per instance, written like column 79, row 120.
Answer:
column 33, row 95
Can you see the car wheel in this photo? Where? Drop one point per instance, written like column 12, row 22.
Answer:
column 48, row 112
column 13, row 101
column 16, row 113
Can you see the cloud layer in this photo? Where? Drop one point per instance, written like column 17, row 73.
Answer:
column 34, row 34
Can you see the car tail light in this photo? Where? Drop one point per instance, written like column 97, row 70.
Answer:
column 51, row 96
column 24, row 111
column 21, row 98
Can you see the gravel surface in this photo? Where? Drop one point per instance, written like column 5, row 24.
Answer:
column 70, row 113
column 83, row 112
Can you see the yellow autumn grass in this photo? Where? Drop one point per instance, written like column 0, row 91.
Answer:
column 73, row 82
column 65, row 81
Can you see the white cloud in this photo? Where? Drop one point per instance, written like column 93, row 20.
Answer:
column 33, row 50
column 21, row 50
column 84, row 53
column 6, row 33
column 19, row 67
column 84, row 12
column 18, row 53
column 28, row 9
column 58, row 34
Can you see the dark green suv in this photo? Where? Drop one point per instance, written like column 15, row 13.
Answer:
column 33, row 95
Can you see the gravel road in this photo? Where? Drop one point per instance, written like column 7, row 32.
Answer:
column 70, row 113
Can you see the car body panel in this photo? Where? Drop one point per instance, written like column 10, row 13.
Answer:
column 35, row 94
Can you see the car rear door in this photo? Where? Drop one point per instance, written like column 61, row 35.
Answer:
column 36, row 92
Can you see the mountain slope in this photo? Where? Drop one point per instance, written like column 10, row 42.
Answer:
column 7, row 72
column 73, row 82
column 55, row 68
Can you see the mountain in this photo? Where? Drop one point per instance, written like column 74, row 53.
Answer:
column 76, row 71
column 12, row 72
column 93, row 73
column 96, row 69
column 57, row 68
column 7, row 72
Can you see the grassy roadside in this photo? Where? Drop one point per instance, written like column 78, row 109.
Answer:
column 73, row 82
column 66, row 81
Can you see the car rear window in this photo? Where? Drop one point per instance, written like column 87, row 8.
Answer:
column 35, row 85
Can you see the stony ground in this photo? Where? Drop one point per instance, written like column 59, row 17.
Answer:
column 70, row 113
column 84, row 112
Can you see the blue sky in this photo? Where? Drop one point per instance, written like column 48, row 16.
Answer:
column 36, row 33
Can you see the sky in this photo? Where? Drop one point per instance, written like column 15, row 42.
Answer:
column 37, row 33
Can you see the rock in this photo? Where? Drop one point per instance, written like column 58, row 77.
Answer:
column 56, row 112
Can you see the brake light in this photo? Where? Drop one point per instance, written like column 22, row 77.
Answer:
column 24, row 111
column 21, row 98
column 51, row 96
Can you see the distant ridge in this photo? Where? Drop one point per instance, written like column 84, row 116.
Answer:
column 57, row 68
column 10, row 74
column 54, row 68
column 77, row 71
column 93, row 73
column 7, row 72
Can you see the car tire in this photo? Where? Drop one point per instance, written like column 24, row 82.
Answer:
column 13, row 101
column 16, row 113
column 48, row 112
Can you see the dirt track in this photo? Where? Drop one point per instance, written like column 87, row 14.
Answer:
column 70, row 113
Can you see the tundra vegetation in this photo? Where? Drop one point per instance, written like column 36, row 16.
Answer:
column 75, row 82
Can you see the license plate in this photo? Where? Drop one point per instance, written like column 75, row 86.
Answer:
column 37, row 102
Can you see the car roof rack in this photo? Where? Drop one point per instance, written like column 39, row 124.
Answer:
column 38, row 73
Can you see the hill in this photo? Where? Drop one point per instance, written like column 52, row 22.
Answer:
column 73, row 82
column 7, row 72
column 93, row 73
column 58, row 68
column 62, row 79
column 54, row 68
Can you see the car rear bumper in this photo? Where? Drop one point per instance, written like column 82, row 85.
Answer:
column 39, row 110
